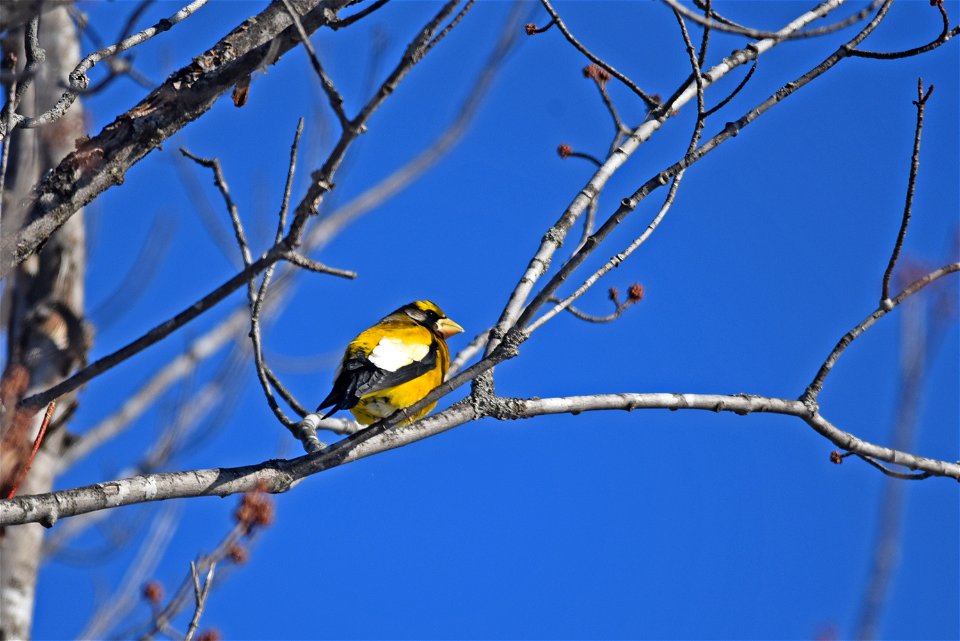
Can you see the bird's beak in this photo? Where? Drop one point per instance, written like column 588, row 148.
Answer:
column 447, row 328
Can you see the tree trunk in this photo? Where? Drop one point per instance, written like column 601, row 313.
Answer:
column 42, row 309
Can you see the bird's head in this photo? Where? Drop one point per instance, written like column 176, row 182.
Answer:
column 427, row 313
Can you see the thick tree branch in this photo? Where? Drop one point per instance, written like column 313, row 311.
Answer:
column 102, row 161
column 281, row 475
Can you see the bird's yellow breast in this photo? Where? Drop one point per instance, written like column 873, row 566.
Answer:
column 381, row 404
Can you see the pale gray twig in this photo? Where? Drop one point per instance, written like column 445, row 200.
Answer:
column 148, row 557
column 200, row 596
column 78, row 80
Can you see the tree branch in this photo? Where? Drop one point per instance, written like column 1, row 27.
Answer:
column 281, row 475
column 102, row 161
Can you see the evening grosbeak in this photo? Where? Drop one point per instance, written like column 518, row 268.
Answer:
column 393, row 364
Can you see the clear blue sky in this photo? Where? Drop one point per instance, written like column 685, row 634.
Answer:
column 650, row 524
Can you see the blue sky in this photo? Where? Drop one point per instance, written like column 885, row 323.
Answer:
column 651, row 524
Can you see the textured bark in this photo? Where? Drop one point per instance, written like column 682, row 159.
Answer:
column 101, row 162
column 43, row 310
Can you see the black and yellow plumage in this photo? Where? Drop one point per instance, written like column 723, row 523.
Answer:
column 393, row 364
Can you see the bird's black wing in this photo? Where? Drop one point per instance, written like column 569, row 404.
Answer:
column 359, row 377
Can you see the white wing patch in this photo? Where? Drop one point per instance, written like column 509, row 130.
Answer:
column 391, row 354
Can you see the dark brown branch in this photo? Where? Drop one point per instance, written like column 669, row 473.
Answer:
column 945, row 34
column 903, row 476
column 733, row 94
column 101, row 161
column 363, row 13
column 156, row 334
column 921, row 104
column 644, row 96
column 453, row 23
column 336, row 100
column 221, row 183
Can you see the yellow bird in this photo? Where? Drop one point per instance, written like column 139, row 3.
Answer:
column 393, row 364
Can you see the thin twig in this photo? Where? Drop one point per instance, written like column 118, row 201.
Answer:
column 649, row 100
column 22, row 474
column 553, row 239
column 921, row 104
column 813, row 389
column 224, row 189
column 360, row 15
column 618, row 309
column 78, row 80
column 737, row 89
column 731, row 130
column 918, row 476
column 945, row 34
column 453, row 23
column 200, row 596
column 256, row 298
column 336, row 100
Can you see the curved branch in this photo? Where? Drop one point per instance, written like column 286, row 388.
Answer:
column 945, row 34
column 644, row 96
column 281, row 475
column 810, row 395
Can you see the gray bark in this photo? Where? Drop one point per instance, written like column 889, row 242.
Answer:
column 43, row 305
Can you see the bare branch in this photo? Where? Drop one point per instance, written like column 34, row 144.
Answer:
column 336, row 100
column 78, row 80
column 281, row 475
column 100, row 162
column 360, row 15
column 732, row 129
column 921, row 104
column 156, row 334
column 224, row 189
column 316, row 266
column 555, row 235
column 644, row 96
column 810, row 395
column 946, row 34
column 200, row 596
